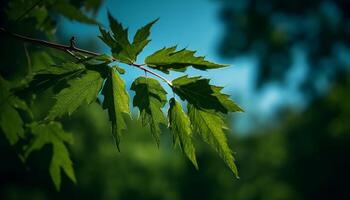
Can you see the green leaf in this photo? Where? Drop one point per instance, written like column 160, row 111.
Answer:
column 54, row 135
column 116, row 101
column 106, row 37
column 150, row 97
column 198, row 92
column 120, row 44
column 180, row 126
column 122, row 49
column 10, row 121
column 141, row 37
column 169, row 59
column 209, row 125
column 81, row 90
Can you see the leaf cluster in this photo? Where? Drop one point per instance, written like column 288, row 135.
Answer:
column 80, row 82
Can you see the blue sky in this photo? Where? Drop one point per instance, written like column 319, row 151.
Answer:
column 195, row 24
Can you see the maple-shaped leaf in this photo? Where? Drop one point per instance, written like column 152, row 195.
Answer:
column 210, row 125
column 198, row 92
column 81, row 90
column 180, row 126
column 169, row 59
column 150, row 98
column 116, row 101
column 122, row 49
column 53, row 134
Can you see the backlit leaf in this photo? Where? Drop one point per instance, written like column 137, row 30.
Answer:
column 210, row 125
column 81, row 90
column 150, row 97
column 180, row 126
column 116, row 101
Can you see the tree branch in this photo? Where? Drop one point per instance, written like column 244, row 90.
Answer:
column 72, row 48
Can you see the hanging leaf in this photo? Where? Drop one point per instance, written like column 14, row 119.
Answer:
column 116, row 101
column 169, row 59
column 150, row 98
column 53, row 134
column 209, row 125
column 180, row 126
column 81, row 90
column 198, row 92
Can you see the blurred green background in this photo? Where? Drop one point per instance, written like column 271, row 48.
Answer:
column 290, row 72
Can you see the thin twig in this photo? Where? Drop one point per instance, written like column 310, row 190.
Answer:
column 72, row 54
column 29, row 63
column 72, row 48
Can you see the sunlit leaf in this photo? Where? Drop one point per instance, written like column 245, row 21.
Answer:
column 81, row 90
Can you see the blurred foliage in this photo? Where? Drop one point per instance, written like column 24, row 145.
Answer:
column 271, row 29
column 305, row 157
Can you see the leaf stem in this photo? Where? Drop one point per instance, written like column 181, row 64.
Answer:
column 72, row 48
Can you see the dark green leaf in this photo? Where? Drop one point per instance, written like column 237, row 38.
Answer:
column 122, row 49
column 180, row 126
column 150, row 97
column 141, row 37
column 54, row 135
column 198, row 92
column 81, row 90
column 169, row 59
column 116, row 100
column 10, row 121
column 209, row 125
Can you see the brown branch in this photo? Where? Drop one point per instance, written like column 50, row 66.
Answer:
column 72, row 48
